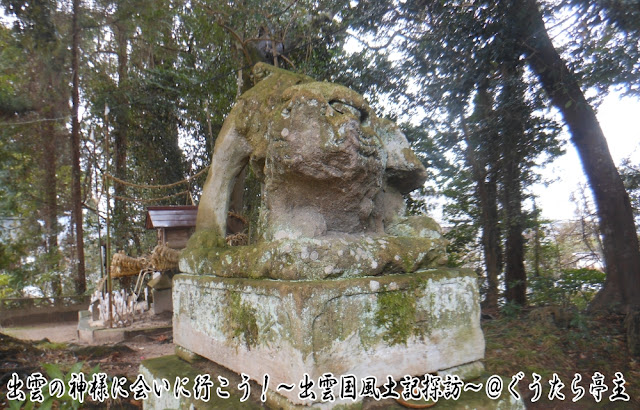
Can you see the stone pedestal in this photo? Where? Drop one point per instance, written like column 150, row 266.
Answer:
column 162, row 301
column 170, row 367
column 395, row 325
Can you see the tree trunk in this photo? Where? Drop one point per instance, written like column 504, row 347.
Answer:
column 484, row 164
column 121, row 124
column 51, row 204
column 514, row 273
column 621, row 290
column 514, row 113
column 76, row 193
column 536, row 240
column 484, row 177
column 488, row 194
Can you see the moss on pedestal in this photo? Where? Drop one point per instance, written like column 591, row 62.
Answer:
column 313, row 259
column 396, row 313
column 241, row 319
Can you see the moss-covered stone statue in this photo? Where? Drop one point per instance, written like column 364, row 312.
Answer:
column 333, row 175
column 340, row 281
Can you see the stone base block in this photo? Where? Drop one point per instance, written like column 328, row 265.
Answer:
column 101, row 335
column 171, row 367
column 393, row 325
column 162, row 301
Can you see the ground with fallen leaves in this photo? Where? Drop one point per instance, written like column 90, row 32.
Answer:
column 123, row 359
column 585, row 345
column 514, row 343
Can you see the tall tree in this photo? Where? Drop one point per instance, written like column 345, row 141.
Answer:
column 482, row 157
column 514, row 116
column 621, row 290
column 76, row 192
column 605, row 51
column 121, row 26
column 44, row 55
column 464, row 61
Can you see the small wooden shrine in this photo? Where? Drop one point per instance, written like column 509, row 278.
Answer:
column 174, row 224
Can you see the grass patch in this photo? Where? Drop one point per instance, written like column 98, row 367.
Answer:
column 596, row 344
column 52, row 345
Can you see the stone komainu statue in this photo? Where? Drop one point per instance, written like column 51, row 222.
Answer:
column 332, row 176
column 354, row 286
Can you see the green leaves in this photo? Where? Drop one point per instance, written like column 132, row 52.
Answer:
column 566, row 287
column 54, row 371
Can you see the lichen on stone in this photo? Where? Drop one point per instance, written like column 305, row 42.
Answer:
column 313, row 259
column 241, row 319
column 396, row 314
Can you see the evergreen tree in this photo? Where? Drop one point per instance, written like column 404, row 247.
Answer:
column 38, row 109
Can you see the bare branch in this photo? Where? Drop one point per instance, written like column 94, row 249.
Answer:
column 376, row 48
column 283, row 10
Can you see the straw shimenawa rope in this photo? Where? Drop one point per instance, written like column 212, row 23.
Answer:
column 238, row 239
column 164, row 258
column 133, row 185
column 161, row 259
column 124, row 198
column 123, row 265
column 239, row 217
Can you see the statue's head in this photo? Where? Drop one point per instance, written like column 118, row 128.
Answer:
column 324, row 157
column 324, row 163
column 321, row 131
column 331, row 172
column 328, row 164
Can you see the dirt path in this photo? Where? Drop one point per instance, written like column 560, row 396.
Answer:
column 65, row 332
column 121, row 358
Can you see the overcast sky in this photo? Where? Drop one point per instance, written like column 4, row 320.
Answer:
column 620, row 121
